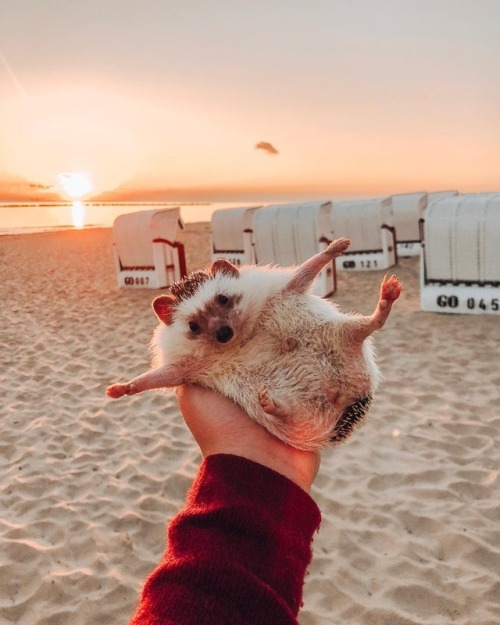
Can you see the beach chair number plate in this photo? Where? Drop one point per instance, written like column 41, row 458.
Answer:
column 363, row 264
column 137, row 281
column 472, row 303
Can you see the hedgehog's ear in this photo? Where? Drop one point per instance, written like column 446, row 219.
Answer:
column 221, row 265
column 164, row 306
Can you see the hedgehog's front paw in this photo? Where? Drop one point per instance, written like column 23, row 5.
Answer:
column 118, row 390
column 269, row 406
column 338, row 247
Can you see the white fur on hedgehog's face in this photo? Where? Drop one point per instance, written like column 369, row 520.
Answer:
column 218, row 307
column 216, row 314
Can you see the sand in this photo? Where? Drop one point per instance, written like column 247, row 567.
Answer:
column 411, row 522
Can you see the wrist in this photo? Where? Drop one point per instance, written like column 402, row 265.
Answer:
column 301, row 467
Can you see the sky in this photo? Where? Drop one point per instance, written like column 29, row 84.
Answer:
column 228, row 100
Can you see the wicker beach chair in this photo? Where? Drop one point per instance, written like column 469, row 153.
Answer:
column 368, row 223
column 407, row 211
column 146, row 251
column 460, row 267
column 232, row 235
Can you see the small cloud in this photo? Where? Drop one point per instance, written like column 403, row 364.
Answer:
column 267, row 147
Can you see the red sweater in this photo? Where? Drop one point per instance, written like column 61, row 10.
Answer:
column 236, row 554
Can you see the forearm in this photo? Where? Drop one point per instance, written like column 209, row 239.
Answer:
column 237, row 553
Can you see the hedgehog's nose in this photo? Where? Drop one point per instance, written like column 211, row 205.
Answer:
column 224, row 334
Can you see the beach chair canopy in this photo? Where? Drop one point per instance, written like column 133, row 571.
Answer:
column 133, row 234
column 312, row 231
column 407, row 211
column 229, row 226
column 289, row 234
column 264, row 225
column 462, row 235
column 361, row 222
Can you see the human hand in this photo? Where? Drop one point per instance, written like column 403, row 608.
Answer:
column 222, row 427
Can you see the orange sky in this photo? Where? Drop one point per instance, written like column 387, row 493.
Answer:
column 159, row 100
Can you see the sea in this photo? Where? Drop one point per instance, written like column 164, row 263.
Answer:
column 29, row 217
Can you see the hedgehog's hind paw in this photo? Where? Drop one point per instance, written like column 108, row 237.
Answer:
column 336, row 397
column 269, row 406
column 390, row 290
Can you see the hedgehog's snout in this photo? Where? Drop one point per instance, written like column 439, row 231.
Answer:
column 224, row 334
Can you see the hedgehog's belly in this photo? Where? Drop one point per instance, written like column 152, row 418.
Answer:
column 306, row 421
column 296, row 382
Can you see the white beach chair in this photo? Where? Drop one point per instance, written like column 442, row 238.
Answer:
column 369, row 225
column 312, row 229
column 146, row 252
column 289, row 234
column 489, row 259
column 460, row 268
column 232, row 235
column 407, row 211
column 264, row 226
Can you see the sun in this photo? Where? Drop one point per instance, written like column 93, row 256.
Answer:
column 75, row 184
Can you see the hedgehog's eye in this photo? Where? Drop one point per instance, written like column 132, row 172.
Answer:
column 194, row 327
column 223, row 299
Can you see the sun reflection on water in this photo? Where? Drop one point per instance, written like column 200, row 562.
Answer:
column 78, row 214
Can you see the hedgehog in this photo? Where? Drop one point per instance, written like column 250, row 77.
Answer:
column 290, row 359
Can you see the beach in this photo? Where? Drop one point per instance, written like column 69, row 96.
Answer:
column 410, row 531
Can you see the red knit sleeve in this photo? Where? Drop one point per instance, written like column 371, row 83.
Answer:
column 236, row 554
